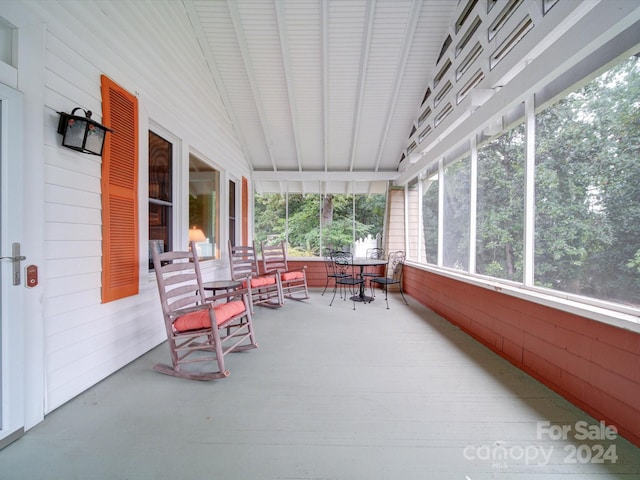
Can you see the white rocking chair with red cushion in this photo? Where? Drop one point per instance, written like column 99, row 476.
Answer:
column 265, row 289
column 199, row 329
column 294, row 281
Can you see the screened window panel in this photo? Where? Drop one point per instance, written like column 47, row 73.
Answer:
column 430, row 215
column 500, row 206
column 588, row 189
column 457, row 196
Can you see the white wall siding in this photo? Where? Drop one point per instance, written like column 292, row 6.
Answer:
column 138, row 45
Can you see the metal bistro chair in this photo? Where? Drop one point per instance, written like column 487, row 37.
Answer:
column 393, row 275
column 199, row 329
column 377, row 254
column 294, row 281
column 349, row 278
column 330, row 268
column 263, row 289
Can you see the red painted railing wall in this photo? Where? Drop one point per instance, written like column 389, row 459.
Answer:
column 593, row 365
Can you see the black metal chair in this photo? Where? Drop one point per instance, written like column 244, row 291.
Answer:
column 393, row 275
column 373, row 253
column 331, row 271
column 347, row 277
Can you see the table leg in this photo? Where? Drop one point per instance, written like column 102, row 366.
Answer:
column 361, row 297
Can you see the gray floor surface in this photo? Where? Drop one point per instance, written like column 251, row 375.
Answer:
column 331, row 393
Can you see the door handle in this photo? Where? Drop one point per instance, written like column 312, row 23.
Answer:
column 16, row 258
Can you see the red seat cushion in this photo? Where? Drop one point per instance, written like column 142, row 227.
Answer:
column 292, row 276
column 200, row 319
column 260, row 282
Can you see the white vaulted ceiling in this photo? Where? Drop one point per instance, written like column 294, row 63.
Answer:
column 322, row 93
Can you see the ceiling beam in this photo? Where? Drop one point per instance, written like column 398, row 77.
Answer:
column 193, row 15
column 296, row 176
column 325, row 82
column 412, row 24
column 286, row 61
column 251, row 75
column 364, row 61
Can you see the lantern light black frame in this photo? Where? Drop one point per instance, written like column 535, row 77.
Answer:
column 82, row 133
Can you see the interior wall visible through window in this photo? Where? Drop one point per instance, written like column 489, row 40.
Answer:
column 160, row 194
column 204, row 208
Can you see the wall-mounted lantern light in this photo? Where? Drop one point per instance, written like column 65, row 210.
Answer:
column 82, row 133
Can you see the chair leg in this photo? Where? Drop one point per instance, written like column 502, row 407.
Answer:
column 325, row 286
column 335, row 288
column 386, row 293
column 219, row 352
column 373, row 292
column 250, row 297
column 404, row 299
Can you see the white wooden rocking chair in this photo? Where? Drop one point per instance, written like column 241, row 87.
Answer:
column 294, row 281
column 199, row 329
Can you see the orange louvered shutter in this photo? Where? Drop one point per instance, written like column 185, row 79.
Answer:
column 119, row 193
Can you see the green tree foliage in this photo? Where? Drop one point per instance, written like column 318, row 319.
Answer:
column 457, row 195
column 430, row 200
column 587, row 195
column 500, row 206
column 588, row 188
column 303, row 227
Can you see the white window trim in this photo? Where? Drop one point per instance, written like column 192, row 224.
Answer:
column 611, row 314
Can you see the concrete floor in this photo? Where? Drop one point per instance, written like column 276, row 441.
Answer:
column 331, row 393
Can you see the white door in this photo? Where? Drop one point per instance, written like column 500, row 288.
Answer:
column 11, row 272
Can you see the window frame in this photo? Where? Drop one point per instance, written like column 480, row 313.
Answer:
column 174, row 204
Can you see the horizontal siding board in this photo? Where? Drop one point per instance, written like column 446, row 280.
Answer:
column 101, row 363
column 72, row 266
column 71, row 196
column 66, row 249
column 72, row 214
column 62, row 177
column 145, row 309
column 59, row 287
column 71, row 302
column 79, row 342
column 71, row 231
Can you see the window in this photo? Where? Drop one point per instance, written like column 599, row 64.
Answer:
column 430, row 215
column 337, row 222
column 312, row 223
column 204, row 207
column 301, row 224
column 232, row 212
column 160, row 194
column 500, row 206
column 457, row 197
column 270, row 218
column 587, row 189
column 586, row 211
column 369, row 213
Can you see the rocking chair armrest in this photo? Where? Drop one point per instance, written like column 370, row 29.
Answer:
column 183, row 311
column 238, row 292
column 280, row 271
